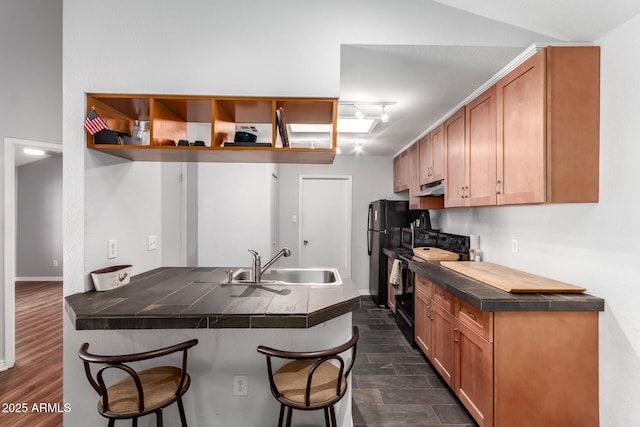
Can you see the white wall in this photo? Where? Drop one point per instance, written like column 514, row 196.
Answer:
column 372, row 179
column 30, row 82
column 39, row 219
column 591, row 245
column 234, row 213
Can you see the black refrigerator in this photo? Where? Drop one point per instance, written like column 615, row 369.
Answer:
column 385, row 221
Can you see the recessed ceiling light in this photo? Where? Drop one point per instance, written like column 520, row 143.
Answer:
column 349, row 125
column 345, row 125
column 33, row 152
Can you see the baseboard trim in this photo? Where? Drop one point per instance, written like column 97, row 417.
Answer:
column 3, row 366
column 39, row 279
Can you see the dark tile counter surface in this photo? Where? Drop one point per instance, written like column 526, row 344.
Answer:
column 487, row 298
column 189, row 297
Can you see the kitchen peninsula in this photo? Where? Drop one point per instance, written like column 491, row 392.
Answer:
column 199, row 297
column 168, row 305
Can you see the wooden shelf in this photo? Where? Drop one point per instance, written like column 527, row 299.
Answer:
column 152, row 153
column 172, row 116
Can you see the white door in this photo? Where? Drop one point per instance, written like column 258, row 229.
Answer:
column 325, row 222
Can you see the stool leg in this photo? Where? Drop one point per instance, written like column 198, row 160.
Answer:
column 183, row 418
column 326, row 417
column 333, row 416
column 134, row 422
column 281, row 415
column 289, row 411
column 159, row 418
column 112, row 422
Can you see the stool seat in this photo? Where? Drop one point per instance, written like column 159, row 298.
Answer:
column 291, row 381
column 160, row 387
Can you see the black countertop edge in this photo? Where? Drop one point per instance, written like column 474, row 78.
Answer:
column 488, row 298
column 221, row 321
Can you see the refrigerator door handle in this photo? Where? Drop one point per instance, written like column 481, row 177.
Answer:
column 369, row 231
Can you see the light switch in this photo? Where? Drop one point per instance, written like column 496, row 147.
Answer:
column 294, row 218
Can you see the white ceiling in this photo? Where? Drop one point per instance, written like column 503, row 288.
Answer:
column 428, row 81
column 21, row 158
column 569, row 20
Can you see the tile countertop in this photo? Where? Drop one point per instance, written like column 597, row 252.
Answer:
column 190, row 297
column 488, row 298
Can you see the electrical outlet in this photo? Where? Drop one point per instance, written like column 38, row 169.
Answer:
column 240, row 385
column 152, row 243
column 55, row 262
column 112, row 248
column 514, row 246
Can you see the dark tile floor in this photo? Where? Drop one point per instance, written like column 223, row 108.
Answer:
column 394, row 384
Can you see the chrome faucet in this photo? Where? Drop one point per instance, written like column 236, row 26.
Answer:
column 258, row 270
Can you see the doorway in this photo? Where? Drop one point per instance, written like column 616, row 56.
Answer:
column 11, row 154
column 325, row 222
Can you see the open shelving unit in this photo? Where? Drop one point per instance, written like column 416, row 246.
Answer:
column 172, row 116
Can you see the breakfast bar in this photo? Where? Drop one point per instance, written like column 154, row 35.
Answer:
column 169, row 305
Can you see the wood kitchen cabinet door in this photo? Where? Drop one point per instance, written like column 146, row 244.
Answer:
column 456, row 181
column 474, row 373
column 438, row 154
column 400, row 172
column 413, row 156
column 426, row 160
column 521, row 150
column 423, row 335
column 442, row 350
column 481, row 149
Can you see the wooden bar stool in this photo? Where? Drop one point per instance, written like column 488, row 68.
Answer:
column 140, row 392
column 312, row 380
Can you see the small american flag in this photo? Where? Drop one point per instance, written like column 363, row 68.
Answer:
column 94, row 123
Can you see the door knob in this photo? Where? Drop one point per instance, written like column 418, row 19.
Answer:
column 305, row 242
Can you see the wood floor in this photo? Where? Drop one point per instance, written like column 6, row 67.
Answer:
column 36, row 377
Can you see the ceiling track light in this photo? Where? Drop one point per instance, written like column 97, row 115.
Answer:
column 384, row 117
column 357, row 106
column 359, row 114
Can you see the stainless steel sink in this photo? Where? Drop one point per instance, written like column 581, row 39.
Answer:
column 291, row 276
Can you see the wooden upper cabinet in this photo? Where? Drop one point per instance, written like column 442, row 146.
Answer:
column 426, row 159
column 401, row 172
column 454, row 137
column 438, row 149
column 548, row 128
column 215, row 120
column 432, row 156
column 481, row 149
column 413, row 155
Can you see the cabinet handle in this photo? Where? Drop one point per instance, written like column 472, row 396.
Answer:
column 471, row 315
column 443, row 296
column 498, row 187
column 455, row 335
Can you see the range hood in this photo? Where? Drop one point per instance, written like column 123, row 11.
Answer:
column 435, row 189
